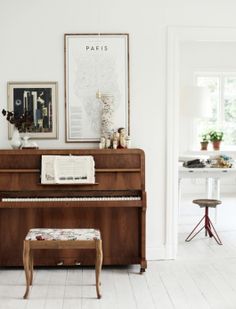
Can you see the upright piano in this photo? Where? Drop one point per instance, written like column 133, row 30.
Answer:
column 115, row 204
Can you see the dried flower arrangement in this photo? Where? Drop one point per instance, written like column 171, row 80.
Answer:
column 22, row 122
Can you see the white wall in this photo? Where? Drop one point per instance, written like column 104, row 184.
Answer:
column 200, row 57
column 31, row 38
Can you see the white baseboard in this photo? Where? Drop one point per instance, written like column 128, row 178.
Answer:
column 160, row 253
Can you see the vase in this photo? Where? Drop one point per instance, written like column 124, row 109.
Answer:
column 216, row 145
column 204, row 145
column 16, row 139
column 107, row 114
column 26, row 143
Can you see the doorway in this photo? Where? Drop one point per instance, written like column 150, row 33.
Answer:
column 175, row 37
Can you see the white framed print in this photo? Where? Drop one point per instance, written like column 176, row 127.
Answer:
column 35, row 103
column 95, row 65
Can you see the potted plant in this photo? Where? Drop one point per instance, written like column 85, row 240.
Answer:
column 216, row 137
column 204, row 141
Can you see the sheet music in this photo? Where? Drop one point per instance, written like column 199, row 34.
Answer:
column 67, row 169
column 74, row 169
column 47, row 170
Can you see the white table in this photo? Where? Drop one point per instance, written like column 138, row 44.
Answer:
column 205, row 172
column 212, row 175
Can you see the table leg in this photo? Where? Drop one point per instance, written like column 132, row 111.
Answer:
column 217, row 197
column 209, row 188
column 179, row 197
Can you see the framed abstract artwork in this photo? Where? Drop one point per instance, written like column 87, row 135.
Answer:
column 96, row 65
column 37, row 102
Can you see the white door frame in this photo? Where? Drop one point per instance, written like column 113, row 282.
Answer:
column 176, row 36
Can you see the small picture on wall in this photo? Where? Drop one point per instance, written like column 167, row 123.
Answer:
column 36, row 102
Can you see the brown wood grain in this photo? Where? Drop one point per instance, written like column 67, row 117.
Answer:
column 122, row 223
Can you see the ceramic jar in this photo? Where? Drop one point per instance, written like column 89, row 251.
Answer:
column 16, row 139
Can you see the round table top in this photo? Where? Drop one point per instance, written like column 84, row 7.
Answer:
column 207, row 202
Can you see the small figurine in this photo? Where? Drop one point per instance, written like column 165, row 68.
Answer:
column 108, row 142
column 115, row 139
column 115, row 144
column 102, row 143
column 116, row 135
column 122, row 141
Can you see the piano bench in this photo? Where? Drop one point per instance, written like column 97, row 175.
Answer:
column 43, row 238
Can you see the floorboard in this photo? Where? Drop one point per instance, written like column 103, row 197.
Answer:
column 202, row 277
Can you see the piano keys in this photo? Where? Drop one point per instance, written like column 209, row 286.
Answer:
column 71, row 199
column 115, row 203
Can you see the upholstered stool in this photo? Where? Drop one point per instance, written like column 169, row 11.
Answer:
column 208, row 226
column 61, row 239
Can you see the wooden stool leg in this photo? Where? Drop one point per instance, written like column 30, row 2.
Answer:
column 31, row 266
column 99, row 257
column 26, row 259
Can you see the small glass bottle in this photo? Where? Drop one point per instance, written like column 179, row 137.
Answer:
column 128, row 142
column 102, row 143
column 108, row 142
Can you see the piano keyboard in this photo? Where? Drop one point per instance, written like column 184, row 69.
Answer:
column 72, row 199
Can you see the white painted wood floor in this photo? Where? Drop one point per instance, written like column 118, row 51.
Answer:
column 203, row 277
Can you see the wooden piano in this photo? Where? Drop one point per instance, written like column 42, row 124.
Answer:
column 116, row 204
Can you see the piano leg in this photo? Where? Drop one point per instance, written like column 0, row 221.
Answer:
column 143, row 263
column 143, row 266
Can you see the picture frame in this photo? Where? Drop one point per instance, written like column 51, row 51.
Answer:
column 39, row 100
column 95, row 63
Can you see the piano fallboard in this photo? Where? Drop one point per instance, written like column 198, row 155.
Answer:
column 53, row 204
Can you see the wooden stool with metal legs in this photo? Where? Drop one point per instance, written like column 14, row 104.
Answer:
column 61, row 239
column 208, row 226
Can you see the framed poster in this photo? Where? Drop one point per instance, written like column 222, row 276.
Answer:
column 95, row 64
column 35, row 102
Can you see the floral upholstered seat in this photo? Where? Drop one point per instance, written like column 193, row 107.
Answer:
column 63, row 234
